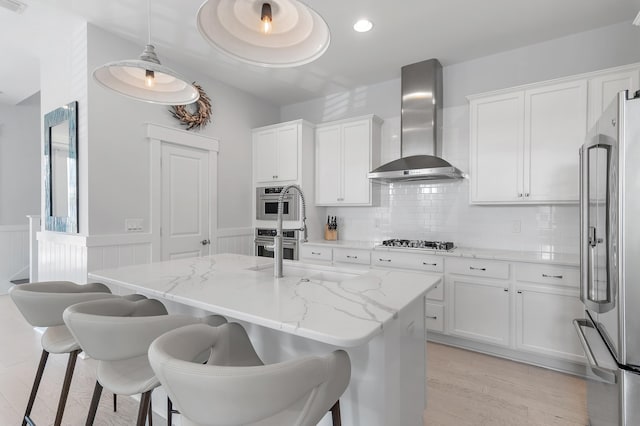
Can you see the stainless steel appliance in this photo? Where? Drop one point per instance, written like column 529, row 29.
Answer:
column 267, row 204
column 265, row 238
column 418, row 244
column 421, row 125
column 610, row 263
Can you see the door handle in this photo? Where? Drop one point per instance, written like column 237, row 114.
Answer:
column 205, row 242
column 602, row 372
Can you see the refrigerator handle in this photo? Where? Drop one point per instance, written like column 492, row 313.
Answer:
column 584, row 225
column 605, row 374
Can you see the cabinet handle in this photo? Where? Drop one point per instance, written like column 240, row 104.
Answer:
column 552, row 276
column 352, row 257
column 430, row 264
column 526, row 194
column 477, row 269
column 433, row 317
column 316, row 253
column 519, row 291
column 275, row 177
column 384, row 260
column 506, row 289
column 340, row 199
column 520, row 195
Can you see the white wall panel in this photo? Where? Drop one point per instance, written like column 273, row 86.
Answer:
column 235, row 240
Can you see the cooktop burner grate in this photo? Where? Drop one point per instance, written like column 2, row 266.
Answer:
column 419, row 244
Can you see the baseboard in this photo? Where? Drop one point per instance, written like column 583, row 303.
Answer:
column 556, row 364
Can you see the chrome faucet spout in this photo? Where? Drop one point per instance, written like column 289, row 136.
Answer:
column 277, row 241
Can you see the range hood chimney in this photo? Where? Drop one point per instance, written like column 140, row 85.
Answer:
column 421, row 123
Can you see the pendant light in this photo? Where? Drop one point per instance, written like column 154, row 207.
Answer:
column 274, row 33
column 146, row 79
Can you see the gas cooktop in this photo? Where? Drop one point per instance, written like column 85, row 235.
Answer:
column 418, row 244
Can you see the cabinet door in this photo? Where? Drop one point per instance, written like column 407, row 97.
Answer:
column 287, row 153
column 328, row 189
column 555, row 127
column 479, row 309
column 603, row 89
column 544, row 321
column 496, row 148
column 356, row 143
column 266, row 155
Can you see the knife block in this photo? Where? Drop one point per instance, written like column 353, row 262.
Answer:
column 330, row 234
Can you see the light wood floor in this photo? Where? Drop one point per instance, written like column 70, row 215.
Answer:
column 464, row 388
column 468, row 388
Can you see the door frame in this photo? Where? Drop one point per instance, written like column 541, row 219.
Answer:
column 157, row 135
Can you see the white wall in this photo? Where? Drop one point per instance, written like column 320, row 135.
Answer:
column 119, row 168
column 20, row 161
column 441, row 210
column 19, row 185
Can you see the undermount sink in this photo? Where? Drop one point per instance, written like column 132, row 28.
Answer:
column 312, row 272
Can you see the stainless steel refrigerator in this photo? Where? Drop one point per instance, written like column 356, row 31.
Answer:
column 610, row 263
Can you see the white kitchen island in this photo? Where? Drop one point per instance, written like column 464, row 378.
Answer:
column 377, row 317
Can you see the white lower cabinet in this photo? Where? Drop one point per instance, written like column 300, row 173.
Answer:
column 479, row 309
column 544, row 321
column 517, row 307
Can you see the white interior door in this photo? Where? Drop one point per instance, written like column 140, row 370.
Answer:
column 185, row 202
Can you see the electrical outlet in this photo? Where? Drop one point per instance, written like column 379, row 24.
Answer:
column 516, row 226
column 133, row 225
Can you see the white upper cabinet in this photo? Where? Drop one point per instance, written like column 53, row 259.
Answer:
column 555, row 127
column 603, row 89
column 524, row 141
column 496, row 147
column 346, row 151
column 524, row 144
column 276, row 153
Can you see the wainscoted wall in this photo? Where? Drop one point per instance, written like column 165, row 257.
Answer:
column 71, row 257
column 14, row 254
column 235, row 240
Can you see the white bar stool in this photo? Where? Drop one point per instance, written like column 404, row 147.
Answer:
column 117, row 333
column 235, row 388
column 42, row 305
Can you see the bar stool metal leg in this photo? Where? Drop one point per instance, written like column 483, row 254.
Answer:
column 145, row 399
column 115, row 402
column 335, row 414
column 150, row 412
column 34, row 389
column 95, row 400
column 71, row 364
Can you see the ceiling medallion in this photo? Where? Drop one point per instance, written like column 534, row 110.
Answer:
column 200, row 117
column 274, row 33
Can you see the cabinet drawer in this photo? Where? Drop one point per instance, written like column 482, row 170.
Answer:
column 548, row 274
column 478, row 268
column 362, row 257
column 434, row 314
column 316, row 253
column 408, row 261
column 437, row 292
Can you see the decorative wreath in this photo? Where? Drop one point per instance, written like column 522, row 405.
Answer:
column 200, row 117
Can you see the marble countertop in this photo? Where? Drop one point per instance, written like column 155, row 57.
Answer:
column 334, row 306
column 567, row 259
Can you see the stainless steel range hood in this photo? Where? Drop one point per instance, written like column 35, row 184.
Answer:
column 421, row 123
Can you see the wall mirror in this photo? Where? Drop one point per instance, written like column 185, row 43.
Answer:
column 61, row 169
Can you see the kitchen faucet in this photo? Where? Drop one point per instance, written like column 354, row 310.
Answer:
column 277, row 241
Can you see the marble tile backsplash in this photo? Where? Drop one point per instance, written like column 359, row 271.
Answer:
column 441, row 211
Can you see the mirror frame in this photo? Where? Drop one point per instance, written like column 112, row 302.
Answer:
column 68, row 224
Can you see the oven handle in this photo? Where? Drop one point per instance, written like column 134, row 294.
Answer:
column 605, row 374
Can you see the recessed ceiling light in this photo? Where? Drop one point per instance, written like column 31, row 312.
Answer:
column 363, row 25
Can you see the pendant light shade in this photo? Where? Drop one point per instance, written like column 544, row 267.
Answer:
column 146, row 79
column 277, row 33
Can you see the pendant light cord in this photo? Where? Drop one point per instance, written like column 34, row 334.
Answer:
column 148, row 22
